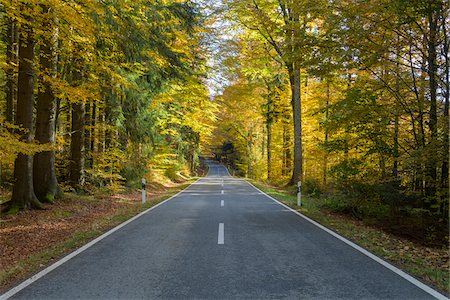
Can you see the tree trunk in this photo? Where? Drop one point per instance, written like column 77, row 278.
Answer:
column 432, row 161
column 87, row 135
column 23, row 193
column 327, row 116
column 93, row 133
column 445, row 162
column 396, row 117
column 294, row 78
column 269, row 151
column 77, row 145
column 11, row 40
column 269, row 124
column 76, row 168
column 101, row 130
column 44, row 173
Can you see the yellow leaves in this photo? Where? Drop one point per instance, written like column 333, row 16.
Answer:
column 11, row 145
column 88, row 91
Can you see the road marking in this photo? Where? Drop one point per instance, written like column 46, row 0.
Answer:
column 222, row 203
column 220, row 238
column 50, row 268
column 379, row 260
column 221, row 192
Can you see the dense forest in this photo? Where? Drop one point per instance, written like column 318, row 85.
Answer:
column 349, row 97
column 97, row 94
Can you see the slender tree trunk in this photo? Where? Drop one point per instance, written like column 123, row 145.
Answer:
column 11, row 39
column 283, row 165
column 445, row 162
column 87, row 135
column 77, row 145
column 101, row 130
column 287, row 160
column 269, row 124
column 76, row 168
column 269, row 151
column 44, row 173
column 108, row 131
column 395, row 150
column 23, row 192
column 327, row 116
column 432, row 162
column 297, row 173
column 93, row 132
column 396, row 117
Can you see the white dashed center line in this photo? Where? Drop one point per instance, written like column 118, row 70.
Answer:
column 220, row 238
column 222, row 203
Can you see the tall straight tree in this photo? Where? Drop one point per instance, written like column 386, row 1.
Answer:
column 76, row 166
column 44, row 174
column 23, row 193
column 11, row 60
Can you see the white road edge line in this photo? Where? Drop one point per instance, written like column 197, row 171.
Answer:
column 221, row 234
column 394, row 269
column 66, row 258
column 222, row 203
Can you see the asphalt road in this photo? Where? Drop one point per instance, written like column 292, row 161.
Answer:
column 221, row 239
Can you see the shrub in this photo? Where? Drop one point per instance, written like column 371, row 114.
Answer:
column 312, row 187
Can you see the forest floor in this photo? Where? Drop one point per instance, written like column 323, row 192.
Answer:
column 429, row 264
column 31, row 240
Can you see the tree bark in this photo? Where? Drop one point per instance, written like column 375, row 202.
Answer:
column 297, row 174
column 445, row 162
column 269, row 124
column 87, row 135
column 44, row 173
column 327, row 116
column 269, row 151
column 23, row 192
column 93, row 133
column 11, row 39
column 76, row 167
column 77, row 145
column 432, row 162
column 287, row 147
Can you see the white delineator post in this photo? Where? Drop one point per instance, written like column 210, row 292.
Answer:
column 144, row 194
column 299, row 194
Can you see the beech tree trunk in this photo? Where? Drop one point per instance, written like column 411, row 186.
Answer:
column 432, row 162
column 76, row 167
column 44, row 173
column 93, row 133
column 287, row 147
column 269, row 125
column 327, row 117
column 445, row 162
column 297, row 173
column 269, row 151
column 11, row 41
column 87, row 135
column 23, row 193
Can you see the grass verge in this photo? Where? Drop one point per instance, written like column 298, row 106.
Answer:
column 430, row 265
column 22, row 268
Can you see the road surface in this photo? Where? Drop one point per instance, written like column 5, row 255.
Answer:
column 220, row 239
